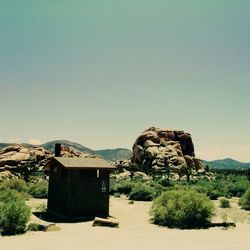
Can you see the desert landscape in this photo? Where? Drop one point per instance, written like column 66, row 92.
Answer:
column 162, row 161
column 124, row 125
column 135, row 232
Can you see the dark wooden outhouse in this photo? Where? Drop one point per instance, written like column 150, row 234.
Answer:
column 78, row 187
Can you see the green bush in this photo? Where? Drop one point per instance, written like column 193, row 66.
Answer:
column 38, row 189
column 182, row 209
column 158, row 188
column 165, row 182
column 11, row 194
column 122, row 186
column 16, row 184
column 236, row 188
column 14, row 213
column 35, row 227
column 224, row 203
column 117, row 195
column 214, row 194
column 141, row 192
column 245, row 200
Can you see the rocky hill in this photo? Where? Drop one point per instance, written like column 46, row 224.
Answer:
column 164, row 152
column 107, row 154
column 50, row 146
column 16, row 159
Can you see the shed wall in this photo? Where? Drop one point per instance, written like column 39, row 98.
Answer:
column 79, row 192
column 86, row 197
column 58, row 191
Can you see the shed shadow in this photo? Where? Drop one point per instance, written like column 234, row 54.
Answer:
column 224, row 225
column 49, row 217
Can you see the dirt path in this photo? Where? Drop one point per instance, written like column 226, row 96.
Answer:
column 135, row 232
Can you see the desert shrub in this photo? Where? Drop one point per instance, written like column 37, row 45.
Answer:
column 35, row 227
column 117, row 195
column 236, row 188
column 158, row 188
column 122, row 187
column 166, row 182
column 38, row 189
column 14, row 213
column 224, row 203
column 12, row 194
column 245, row 200
column 16, row 184
column 214, row 194
column 112, row 185
column 199, row 188
column 233, row 185
column 27, row 170
column 182, row 209
column 141, row 192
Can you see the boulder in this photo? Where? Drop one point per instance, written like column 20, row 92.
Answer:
column 138, row 153
column 6, row 174
column 199, row 166
column 124, row 175
column 190, row 161
column 151, row 152
column 141, row 176
column 11, row 148
column 149, row 143
column 105, row 222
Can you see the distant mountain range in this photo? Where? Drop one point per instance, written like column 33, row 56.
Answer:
column 227, row 163
column 108, row 154
column 50, row 146
column 123, row 154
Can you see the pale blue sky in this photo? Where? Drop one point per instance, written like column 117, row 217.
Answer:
column 100, row 72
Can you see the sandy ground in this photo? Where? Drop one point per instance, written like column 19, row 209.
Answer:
column 136, row 232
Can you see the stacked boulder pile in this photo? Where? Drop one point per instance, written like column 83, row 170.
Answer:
column 16, row 156
column 164, row 152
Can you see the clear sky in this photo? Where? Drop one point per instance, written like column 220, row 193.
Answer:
column 100, row 72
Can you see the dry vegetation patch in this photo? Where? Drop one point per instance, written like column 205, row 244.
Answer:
column 232, row 214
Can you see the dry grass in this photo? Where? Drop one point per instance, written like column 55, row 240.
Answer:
column 233, row 214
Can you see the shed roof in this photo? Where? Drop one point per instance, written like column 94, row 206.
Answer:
column 81, row 163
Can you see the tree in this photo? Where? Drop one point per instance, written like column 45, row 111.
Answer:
column 27, row 169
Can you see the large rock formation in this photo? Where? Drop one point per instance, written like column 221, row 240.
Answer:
column 166, row 151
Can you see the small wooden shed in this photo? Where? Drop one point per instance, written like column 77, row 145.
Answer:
column 78, row 187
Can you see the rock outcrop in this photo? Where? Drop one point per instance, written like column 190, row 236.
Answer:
column 166, row 151
column 14, row 157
